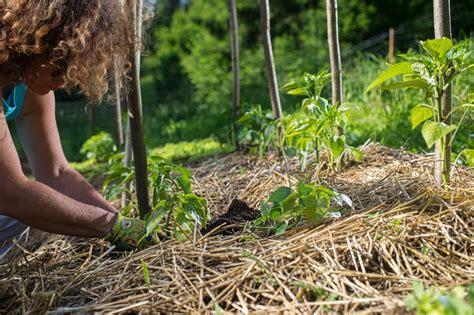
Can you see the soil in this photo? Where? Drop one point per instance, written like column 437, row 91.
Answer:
column 231, row 221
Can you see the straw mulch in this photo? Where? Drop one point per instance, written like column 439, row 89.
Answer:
column 401, row 230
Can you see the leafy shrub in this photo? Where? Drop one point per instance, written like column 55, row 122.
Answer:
column 98, row 147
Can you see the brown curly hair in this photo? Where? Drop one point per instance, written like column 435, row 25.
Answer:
column 83, row 38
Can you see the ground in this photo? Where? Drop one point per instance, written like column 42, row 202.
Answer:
column 402, row 229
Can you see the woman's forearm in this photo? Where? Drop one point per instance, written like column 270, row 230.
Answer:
column 42, row 207
column 74, row 185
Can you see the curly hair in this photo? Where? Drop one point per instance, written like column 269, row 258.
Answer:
column 83, row 38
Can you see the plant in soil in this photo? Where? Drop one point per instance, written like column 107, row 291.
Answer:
column 285, row 208
column 257, row 130
column 175, row 209
column 315, row 126
column 432, row 72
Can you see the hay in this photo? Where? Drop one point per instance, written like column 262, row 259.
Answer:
column 401, row 230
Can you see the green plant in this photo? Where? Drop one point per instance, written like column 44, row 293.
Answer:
column 432, row 72
column 175, row 209
column 257, row 130
column 99, row 147
column 285, row 207
column 431, row 300
column 315, row 126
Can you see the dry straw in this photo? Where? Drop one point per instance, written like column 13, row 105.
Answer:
column 401, row 230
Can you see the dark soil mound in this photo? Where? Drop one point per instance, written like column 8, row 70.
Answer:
column 239, row 212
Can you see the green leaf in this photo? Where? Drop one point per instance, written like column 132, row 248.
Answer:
column 469, row 155
column 437, row 47
column 298, row 91
column 433, row 131
column 280, row 194
column 146, row 274
column 275, row 213
column 392, row 71
column 289, row 203
column 185, row 184
column 312, row 209
column 415, row 84
column 156, row 216
column 420, row 113
column 281, row 228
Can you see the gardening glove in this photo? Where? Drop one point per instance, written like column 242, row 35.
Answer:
column 130, row 234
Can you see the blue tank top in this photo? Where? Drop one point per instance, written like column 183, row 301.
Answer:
column 14, row 103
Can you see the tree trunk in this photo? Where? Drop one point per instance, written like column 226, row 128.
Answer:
column 267, row 46
column 334, row 55
column 136, row 115
column 118, row 129
column 442, row 28
column 234, row 32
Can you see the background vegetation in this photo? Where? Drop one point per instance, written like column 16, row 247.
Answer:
column 187, row 68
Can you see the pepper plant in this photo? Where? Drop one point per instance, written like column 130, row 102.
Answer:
column 315, row 126
column 432, row 72
column 285, row 207
column 257, row 130
column 175, row 209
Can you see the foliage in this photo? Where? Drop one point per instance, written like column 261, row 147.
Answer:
column 316, row 125
column 175, row 209
column 432, row 72
column 190, row 150
column 457, row 301
column 257, row 130
column 285, row 207
column 98, row 147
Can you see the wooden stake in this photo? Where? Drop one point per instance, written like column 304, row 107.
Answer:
column 269, row 61
column 391, row 44
column 234, row 31
column 135, row 114
column 442, row 28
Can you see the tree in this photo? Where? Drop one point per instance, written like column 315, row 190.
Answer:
column 234, row 32
column 334, row 55
column 135, row 113
column 442, row 28
column 269, row 61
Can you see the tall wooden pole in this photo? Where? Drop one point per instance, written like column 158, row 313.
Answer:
column 334, row 55
column 442, row 28
column 118, row 128
column 269, row 61
column 391, row 45
column 234, row 35
column 135, row 113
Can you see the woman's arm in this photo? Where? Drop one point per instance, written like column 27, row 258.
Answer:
column 40, row 206
column 39, row 135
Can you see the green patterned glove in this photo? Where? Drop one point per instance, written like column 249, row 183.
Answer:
column 130, row 234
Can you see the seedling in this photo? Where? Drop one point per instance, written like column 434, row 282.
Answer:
column 257, row 130
column 433, row 72
column 285, row 207
column 175, row 209
column 315, row 126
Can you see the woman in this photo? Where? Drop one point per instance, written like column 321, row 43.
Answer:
column 46, row 45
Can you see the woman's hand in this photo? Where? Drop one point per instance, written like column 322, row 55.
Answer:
column 130, row 234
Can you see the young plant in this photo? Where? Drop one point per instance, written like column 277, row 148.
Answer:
column 315, row 126
column 457, row 301
column 175, row 209
column 285, row 207
column 432, row 72
column 257, row 130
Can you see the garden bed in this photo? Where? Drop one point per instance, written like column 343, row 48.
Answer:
column 401, row 229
